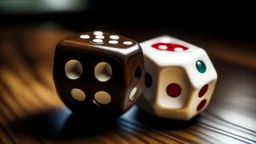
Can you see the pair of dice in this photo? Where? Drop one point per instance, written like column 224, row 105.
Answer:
column 103, row 74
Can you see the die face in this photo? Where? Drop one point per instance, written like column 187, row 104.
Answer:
column 109, row 75
column 151, row 80
column 178, row 98
column 200, row 70
column 168, row 93
column 200, row 99
column 174, row 88
column 134, row 71
column 166, row 51
column 104, row 42
column 110, row 90
column 203, row 78
column 166, row 90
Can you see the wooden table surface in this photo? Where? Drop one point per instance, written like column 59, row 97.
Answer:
column 31, row 111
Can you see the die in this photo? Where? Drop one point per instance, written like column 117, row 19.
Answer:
column 180, row 78
column 98, row 74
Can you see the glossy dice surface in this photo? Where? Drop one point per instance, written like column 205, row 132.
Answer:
column 179, row 78
column 98, row 73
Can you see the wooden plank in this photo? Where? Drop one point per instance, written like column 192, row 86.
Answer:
column 5, row 137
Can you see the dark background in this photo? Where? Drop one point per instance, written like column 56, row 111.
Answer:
column 30, row 30
column 235, row 20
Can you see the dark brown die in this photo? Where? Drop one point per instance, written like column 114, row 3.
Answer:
column 98, row 73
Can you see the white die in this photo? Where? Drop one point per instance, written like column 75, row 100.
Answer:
column 177, row 85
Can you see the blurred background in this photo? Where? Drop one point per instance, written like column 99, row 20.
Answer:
column 236, row 19
column 221, row 28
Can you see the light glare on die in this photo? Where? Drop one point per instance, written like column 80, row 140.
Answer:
column 99, row 37
column 84, row 36
column 164, row 47
column 113, row 42
column 166, row 40
column 98, row 33
column 114, row 37
column 97, row 40
column 127, row 42
column 178, row 49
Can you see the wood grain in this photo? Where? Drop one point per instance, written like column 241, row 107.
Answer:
column 31, row 111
